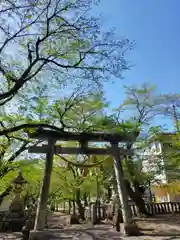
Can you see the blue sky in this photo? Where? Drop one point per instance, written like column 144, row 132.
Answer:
column 154, row 25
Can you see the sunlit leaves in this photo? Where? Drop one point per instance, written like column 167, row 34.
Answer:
column 51, row 37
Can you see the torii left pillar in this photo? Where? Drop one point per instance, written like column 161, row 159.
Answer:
column 41, row 213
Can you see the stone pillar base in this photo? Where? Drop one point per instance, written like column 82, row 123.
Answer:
column 39, row 235
column 131, row 229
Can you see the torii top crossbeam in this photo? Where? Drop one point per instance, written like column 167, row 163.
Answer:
column 44, row 134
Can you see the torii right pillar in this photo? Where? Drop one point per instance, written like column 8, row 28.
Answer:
column 130, row 228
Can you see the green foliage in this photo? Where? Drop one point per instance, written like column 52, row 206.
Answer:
column 28, row 167
column 80, row 110
column 46, row 42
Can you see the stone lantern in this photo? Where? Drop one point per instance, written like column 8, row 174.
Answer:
column 17, row 205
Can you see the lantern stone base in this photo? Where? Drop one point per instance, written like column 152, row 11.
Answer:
column 12, row 224
column 16, row 206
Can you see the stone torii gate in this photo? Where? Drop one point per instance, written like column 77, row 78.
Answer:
column 83, row 138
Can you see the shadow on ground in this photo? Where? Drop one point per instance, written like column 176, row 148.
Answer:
column 162, row 226
column 165, row 224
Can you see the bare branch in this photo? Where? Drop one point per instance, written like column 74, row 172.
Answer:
column 72, row 44
column 19, row 31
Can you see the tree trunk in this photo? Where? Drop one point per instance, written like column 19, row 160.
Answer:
column 130, row 228
column 69, row 207
column 5, row 193
column 64, row 207
column 85, row 198
column 117, row 218
column 109, row 194
column 79, row 204
column 73, row 207
column 136, row 194
column 137, row 198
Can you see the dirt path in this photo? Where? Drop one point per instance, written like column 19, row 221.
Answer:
column 164, row 227
column 161, row 227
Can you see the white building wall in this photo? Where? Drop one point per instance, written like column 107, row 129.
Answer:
column 153, row 159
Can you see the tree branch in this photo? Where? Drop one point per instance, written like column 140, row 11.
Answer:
column 27, row 126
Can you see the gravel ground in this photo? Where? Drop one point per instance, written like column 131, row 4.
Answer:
column 164, row 227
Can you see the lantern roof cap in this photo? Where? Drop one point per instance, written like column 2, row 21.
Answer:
column 19, row 179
